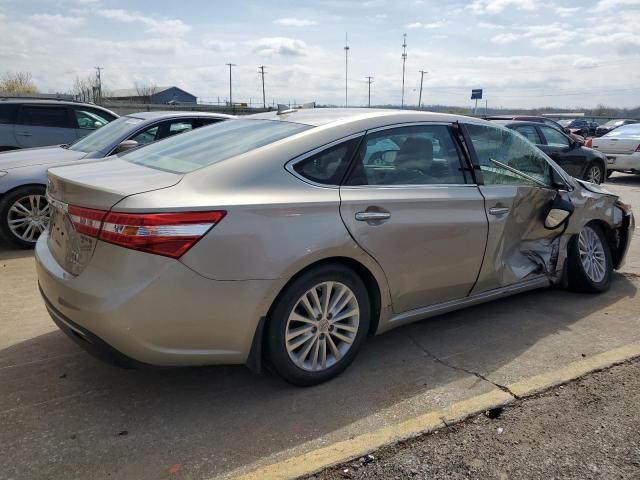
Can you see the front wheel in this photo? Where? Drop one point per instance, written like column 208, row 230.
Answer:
column 594, row 173
column 24, row 215
column 318, row 325
column 589, row 267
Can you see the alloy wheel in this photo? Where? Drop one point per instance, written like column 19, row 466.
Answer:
column 592, row 254
column 28, row 217
column 594, row 174
column 322, row 326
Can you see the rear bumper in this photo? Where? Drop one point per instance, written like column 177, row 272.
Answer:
column 622, row 161
column 129, row 307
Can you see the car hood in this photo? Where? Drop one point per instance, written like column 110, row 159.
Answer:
column 29, row 157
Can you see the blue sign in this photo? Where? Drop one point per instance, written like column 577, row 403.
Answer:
column 476, row 94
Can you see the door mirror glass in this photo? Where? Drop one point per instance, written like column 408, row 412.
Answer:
column 555, row 218
column 126, row 145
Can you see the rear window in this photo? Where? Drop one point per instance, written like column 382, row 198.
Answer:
column 625, row 131
column 8, row 113
column 206, row 146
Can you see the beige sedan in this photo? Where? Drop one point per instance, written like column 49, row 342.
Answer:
column 291, row 236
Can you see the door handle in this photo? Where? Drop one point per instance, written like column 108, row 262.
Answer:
column 497, row 211
column 369, row 216
column 24, row 134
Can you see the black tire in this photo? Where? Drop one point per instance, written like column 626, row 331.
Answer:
column 284, row 306
column 7, row 201
column 578, row 278
column 592, row 166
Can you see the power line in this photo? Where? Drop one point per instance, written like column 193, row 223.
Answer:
column 264, row 101
column 404, row 61
column 346, row 70
column 422, row 72
column 369, row 81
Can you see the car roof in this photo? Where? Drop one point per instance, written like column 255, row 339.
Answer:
column 175, row 114
column 325, row 116
column 45, row 101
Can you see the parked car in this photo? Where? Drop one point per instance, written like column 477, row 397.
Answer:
column 611, row 124
column 545, row 120
column 621, row 146
column 580, row 126
column 290, row 235
column 576, row 159
column 28, row 123
column 24, row 211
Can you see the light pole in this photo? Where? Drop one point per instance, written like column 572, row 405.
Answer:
column 422, row 72
column 369, row 81
column 404, row 61
column 346, row 70
column 230, row 89
column 264, row 101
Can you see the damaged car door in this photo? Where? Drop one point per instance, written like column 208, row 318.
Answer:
column 518, row 189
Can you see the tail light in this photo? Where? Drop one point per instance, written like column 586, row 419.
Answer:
column 168, row 234
column 589, row 143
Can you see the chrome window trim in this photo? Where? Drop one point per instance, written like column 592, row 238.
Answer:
column 417, row 185
column 294, row 161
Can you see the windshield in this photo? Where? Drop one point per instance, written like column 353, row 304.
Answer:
column 625, row 131
column 199, row 148
column 565, row 123
column 105, row 136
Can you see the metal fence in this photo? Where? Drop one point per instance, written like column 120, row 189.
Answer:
column 124, row 108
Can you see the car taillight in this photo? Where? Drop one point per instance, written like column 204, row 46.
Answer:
column 168, row 234
column 589, row 143
column 86, row 220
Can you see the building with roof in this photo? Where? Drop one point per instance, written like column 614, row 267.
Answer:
column 156, row 95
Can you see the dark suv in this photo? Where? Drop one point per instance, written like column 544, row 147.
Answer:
column 27, row 122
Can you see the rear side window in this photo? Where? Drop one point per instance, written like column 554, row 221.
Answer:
column 206, row 146
column 529, row 132
column 329, row 166
column 44, row 116
column 8, row 113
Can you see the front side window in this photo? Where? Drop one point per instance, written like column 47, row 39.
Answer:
column 555, row 138
column 147, row 135
column 417, row 155
column 496, row 147
column 206, row 146
column 329, row 166
column 44, row 116
column 180, row 126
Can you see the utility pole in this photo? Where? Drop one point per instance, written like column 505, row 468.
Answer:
column 422, row 72
column 230, row 90
column 264, row 101
column 369, row 81
column 99, row 81
column 404, row 61
column 346, row 70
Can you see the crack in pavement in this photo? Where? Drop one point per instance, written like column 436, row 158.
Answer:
column 462, row 369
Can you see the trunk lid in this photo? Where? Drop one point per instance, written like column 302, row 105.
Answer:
column 616, row 145
column 99, row 186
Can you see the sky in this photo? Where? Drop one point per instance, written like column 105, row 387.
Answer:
column 523, row 53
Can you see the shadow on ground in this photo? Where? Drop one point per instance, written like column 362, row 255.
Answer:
column 65, row 414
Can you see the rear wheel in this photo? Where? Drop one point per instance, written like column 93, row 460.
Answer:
column 24, row 215
column 318, row 325
column 589, row 267
column 594, row 173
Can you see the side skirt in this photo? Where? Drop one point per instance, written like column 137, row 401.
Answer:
column 445, row 307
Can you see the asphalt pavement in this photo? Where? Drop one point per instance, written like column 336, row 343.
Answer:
column 65, row 415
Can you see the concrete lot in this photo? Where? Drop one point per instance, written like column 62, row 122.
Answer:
column 65, row 415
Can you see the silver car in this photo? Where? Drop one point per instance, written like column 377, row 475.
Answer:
column 23, row 173
column 292, row 236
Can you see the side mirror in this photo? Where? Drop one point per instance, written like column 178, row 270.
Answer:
column 126, row 145
column 559, row 213
column 97, row 124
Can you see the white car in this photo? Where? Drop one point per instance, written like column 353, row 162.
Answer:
column 622, row 148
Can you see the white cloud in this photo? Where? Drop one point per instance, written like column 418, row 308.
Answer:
column 294, row 22
column 611, row 4
column 482, row 7
column 567, row 11
column 427, row 26
column 56, row 23
column 377, row 18
column 550, row 36
column 280, row 46
column 585, row 63
column 166, row 26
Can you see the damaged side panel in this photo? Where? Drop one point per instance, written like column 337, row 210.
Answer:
column 518, row 245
